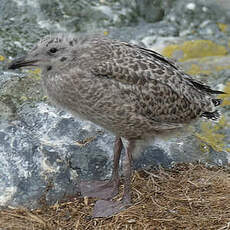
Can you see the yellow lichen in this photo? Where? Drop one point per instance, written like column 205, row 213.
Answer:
column 222, row 67
column 194, row 49
column 196, row 70
column 223, row 27
column 226, row 97
column 35, row 73
column 212, row 136
column 2, row 58
column 23, row 98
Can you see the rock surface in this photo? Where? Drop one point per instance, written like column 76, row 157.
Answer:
column 44, row 151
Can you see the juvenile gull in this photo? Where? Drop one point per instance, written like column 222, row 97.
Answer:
column 133, row 92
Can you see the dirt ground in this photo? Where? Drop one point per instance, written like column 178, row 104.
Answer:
column 185, row 197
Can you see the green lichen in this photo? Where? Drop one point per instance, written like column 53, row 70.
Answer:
column 194, row 49
column 212, row 135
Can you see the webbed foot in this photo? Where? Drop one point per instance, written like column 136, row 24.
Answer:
column 100, row 189
column 105, row 208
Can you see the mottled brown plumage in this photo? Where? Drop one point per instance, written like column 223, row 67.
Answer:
column 131, row 91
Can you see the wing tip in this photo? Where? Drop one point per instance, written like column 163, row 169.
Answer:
column 215, row 115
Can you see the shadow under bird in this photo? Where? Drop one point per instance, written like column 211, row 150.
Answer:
column 131, row 91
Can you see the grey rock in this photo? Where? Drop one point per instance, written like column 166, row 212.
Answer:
column 198, row 17
column 42, row 158
column 150, row 10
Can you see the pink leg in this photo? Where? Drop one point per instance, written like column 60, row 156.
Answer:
column 128, row 172
column 103, row 189
column 105, row 208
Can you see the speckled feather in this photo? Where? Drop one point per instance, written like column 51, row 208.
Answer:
column 129, row 90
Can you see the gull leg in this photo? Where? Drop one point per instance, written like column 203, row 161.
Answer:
column 128, row 173
column 105, row 189
column 105, row 208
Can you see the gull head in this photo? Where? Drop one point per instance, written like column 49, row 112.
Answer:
column 52, row 49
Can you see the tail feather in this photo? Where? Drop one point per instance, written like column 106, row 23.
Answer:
column 211, row 115
column 199, row 85
column 217, row 102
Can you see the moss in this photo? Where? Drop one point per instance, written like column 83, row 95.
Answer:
column 212, row 135
column 2, row 58
column 195, row 49
column 226, row 97
column 223, row 27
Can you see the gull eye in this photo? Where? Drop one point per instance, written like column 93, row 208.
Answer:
column 53, row 50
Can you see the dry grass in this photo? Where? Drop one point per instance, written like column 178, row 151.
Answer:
column 185, row 197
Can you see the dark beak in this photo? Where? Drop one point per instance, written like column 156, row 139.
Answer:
column 21, row 62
